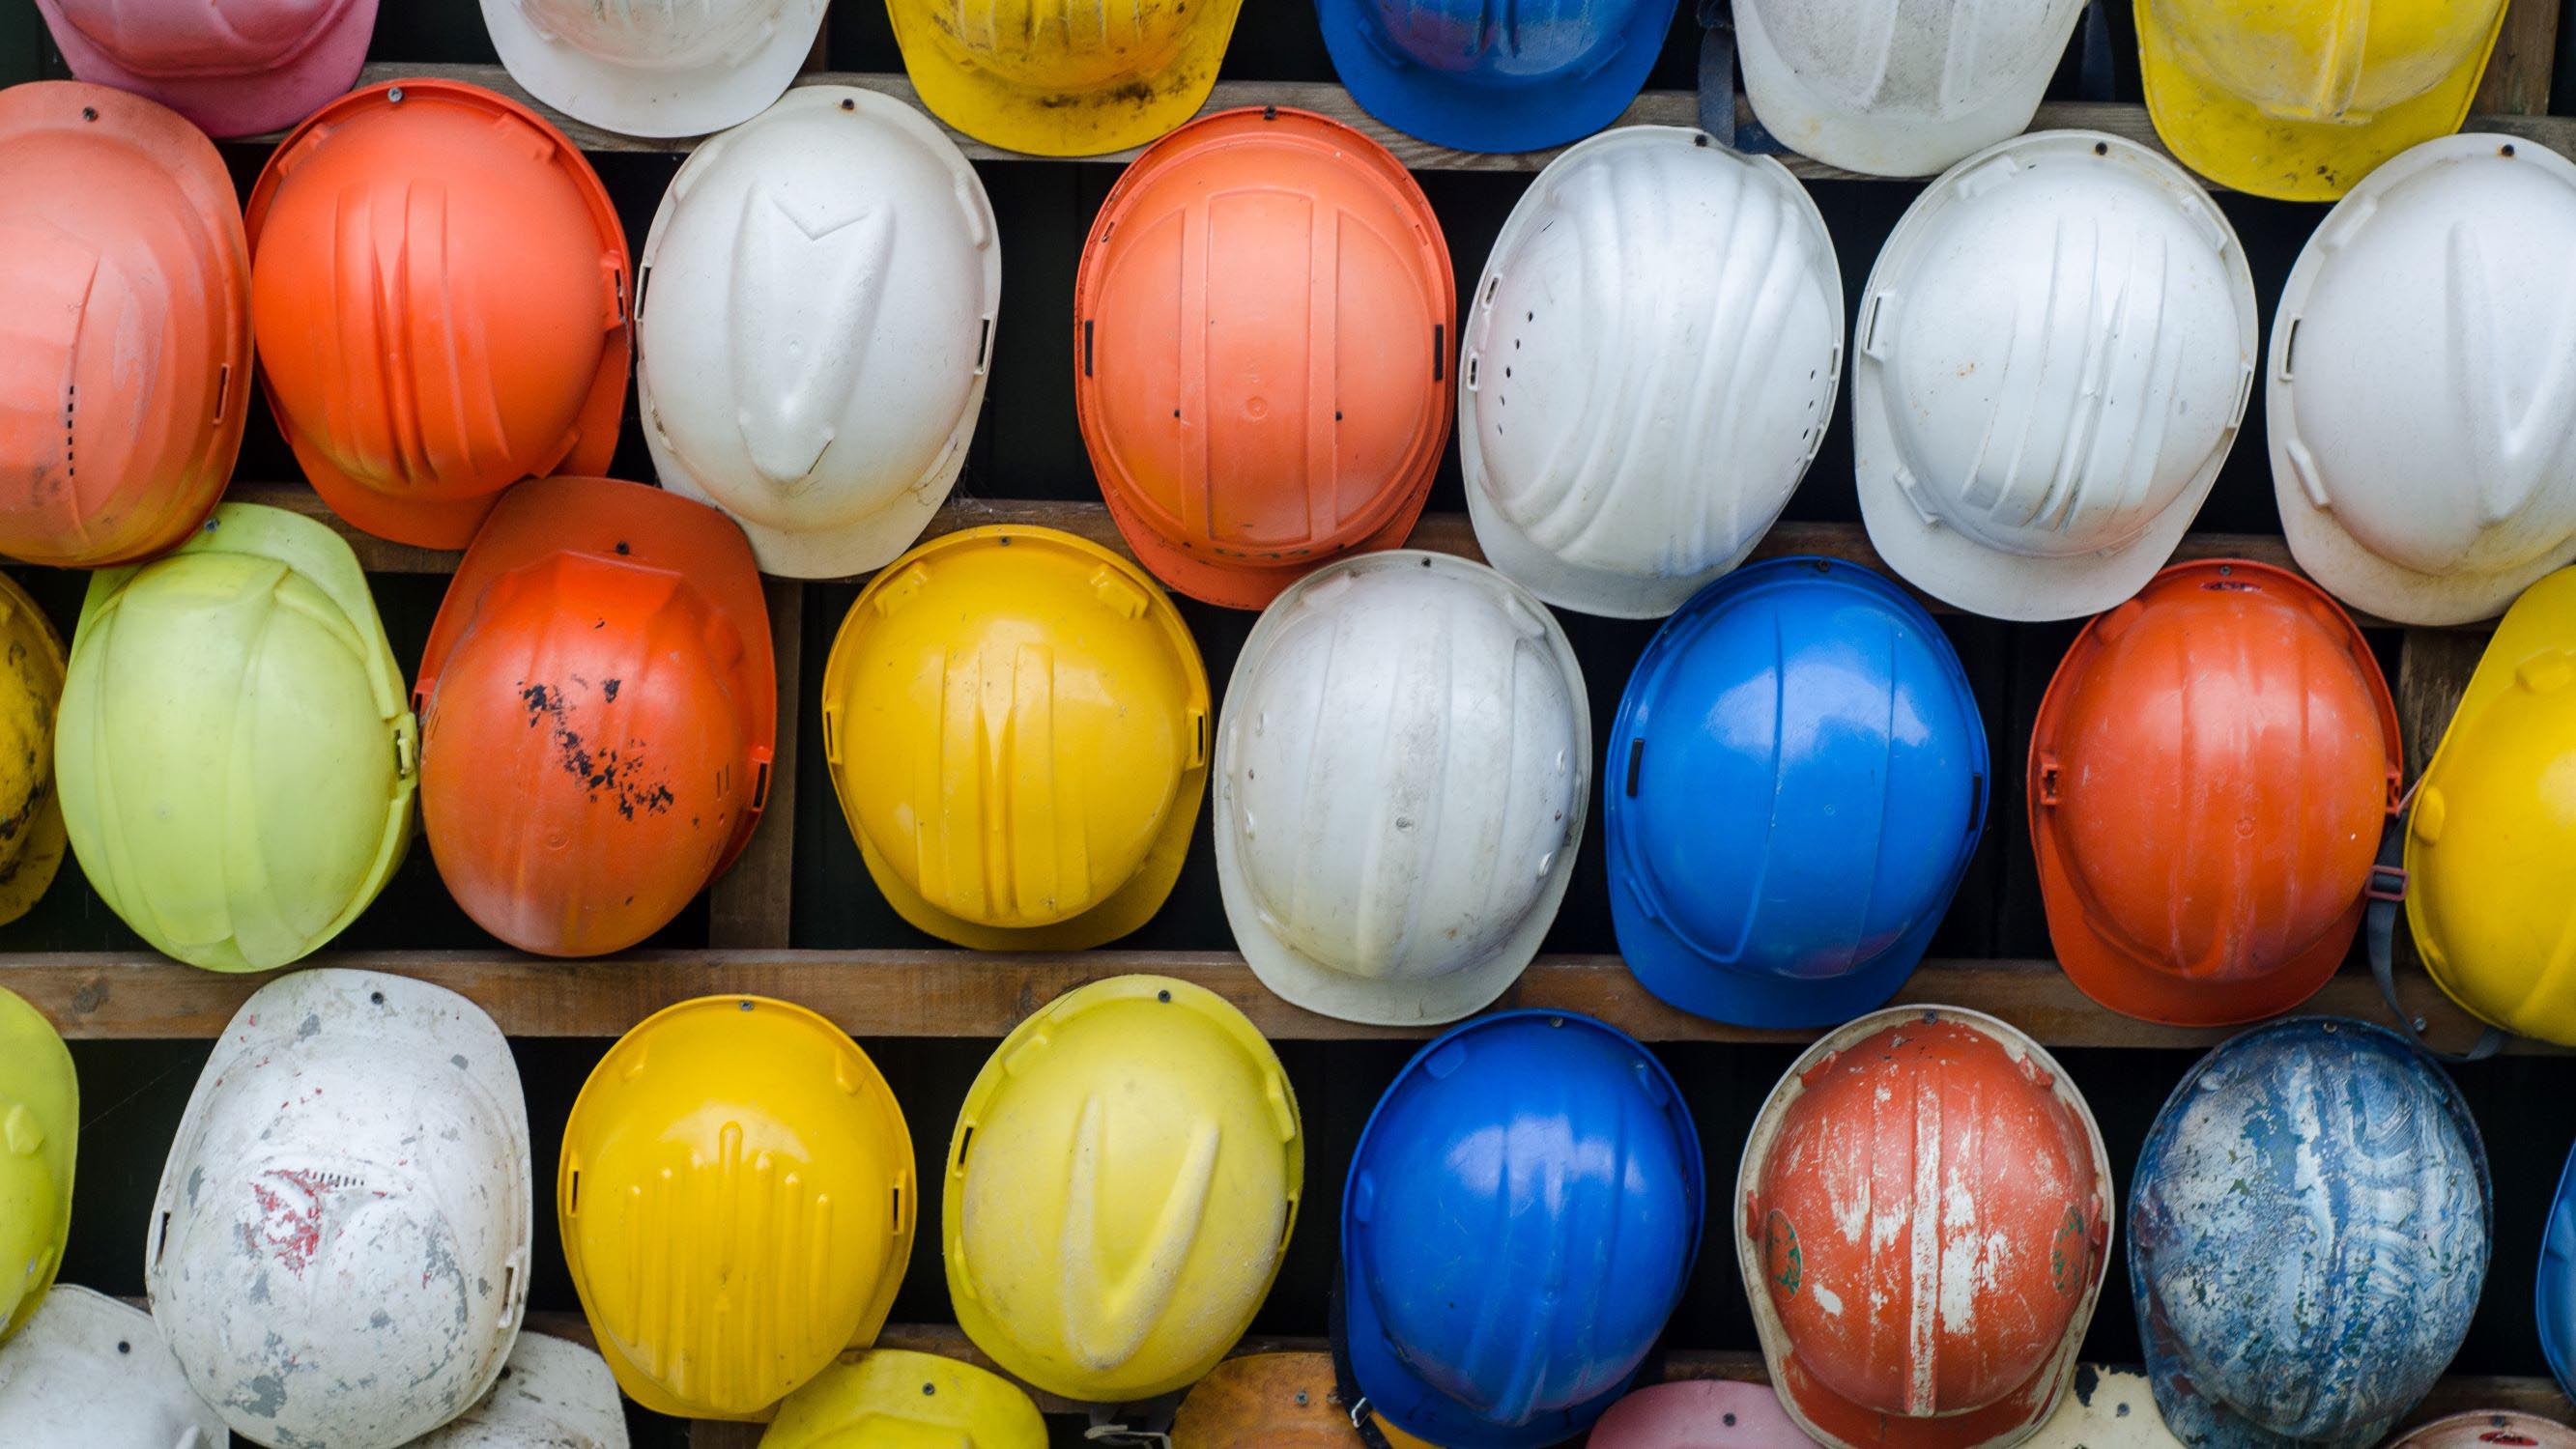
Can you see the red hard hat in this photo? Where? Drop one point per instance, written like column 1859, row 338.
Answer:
column 2209, row 776
column 440, row 289
column 127, row 372
column 1263, row 323
column 598, row 707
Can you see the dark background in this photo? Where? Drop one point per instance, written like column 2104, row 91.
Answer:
column 1028, row 448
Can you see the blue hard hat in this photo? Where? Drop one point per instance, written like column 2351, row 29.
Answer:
column 1495, row 75
column 1523, row 1209
column 2556, row 1293
column 2308, row 1233
column 1796, row 781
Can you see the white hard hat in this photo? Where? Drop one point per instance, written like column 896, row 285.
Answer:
column 553, row 1394
column 1402, row 769
column 1898, row 87
column 655, row 67
column 814, row 315
column 2422, row 387
column 1651, row 359
column 2053, row 354
column 338, row 1253
column 89, row 1371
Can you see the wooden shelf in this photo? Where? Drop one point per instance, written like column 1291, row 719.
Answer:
column 954, row 993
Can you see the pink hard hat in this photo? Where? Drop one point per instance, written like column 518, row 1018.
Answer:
column 234, row 67
column 1699, row 1414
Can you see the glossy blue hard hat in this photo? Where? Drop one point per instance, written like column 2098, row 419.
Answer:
column 2308, row 1232
column 1523, row 1209
column 1495, row 75
column 2556, row 1291
column 1796, row 781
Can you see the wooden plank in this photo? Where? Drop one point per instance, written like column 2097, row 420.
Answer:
column 1653, row 108
column 963, row 994
column 751, row 903
column 2525, row 57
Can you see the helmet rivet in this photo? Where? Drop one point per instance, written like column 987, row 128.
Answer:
column 2101, row 148
column 742, row 1006
column 89, row 113
column 394, row 95
column 2505, row 150
column 124, row 1346
column 376, row 998
column 849, row 105
column 1162, row 996
column 927, row 1390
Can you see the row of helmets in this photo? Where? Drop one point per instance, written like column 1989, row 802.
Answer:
column 1922, row 1219
column 2295, row 100
column 2049, row 362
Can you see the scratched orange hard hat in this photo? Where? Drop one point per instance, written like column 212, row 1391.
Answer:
column 1263, row 322
column 2210, row 774
column 127, row 284
column 439, row 286
column 598, row 707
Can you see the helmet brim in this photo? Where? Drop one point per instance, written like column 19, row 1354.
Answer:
column 633, row 101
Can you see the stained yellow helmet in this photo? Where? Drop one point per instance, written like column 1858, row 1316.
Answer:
column 894, row 1399
column 1063, row 77
column 31, row 813
column 39, row 1130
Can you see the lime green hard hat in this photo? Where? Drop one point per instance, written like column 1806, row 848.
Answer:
column 39, row 1128
column 234, row 751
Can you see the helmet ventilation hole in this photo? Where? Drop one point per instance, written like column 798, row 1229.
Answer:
column 965, row 1144
column 572, row 1192
column 223, row 390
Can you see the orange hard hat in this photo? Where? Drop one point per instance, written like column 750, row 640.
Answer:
column 2210, row 773
column 127, row 373
column 598, row 707
column 1262, row 328
column 440, row 289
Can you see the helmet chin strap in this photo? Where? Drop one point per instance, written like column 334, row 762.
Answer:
column 2379, row 933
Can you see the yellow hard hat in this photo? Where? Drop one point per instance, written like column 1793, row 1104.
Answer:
column 1120, row 1189
column 31, row 689
column 2492, row 923
column 39, row 1130
column 2299, row 99
column 1063, row 77
column 736, row 1200
column 1016, row 723
column 895, row 1399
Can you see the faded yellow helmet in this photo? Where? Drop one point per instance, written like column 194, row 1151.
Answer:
column 736, row 1201
column 895, row 1399
column 2299, row 99
column 234, row 753
column 1016, row 724
column 1120, row 1188
column 1063, row 77
column 2495, row 820
column 39, row 1135
column 31, row 690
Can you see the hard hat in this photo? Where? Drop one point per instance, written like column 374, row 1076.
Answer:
column 31, row 693
column 1522, row 1211
column 2299, row 99
column 233, row 754
column 1402, row 771
column 1797, row 779
column 1477, row 75
column 1204, row 371
column 2423, row 425
column 1669, row 316
column 1120, row 1189
column 338, row 1253
column 126, row 380
column 2488, row 922
column 1080, row 78
column 1889, row 88
column 894, row 1399
column 552, row 1394
column 439, row 286
column 814, row 331
column 2555, row 1286
column 39, row 1141
column 2210, row 773
column 2106, row 1409
column 2053, row 355
column 91, row 1370
column 736, row 1204
column 1698, row 1414
column 2308, row 1229
column 655, row 69
column 232, row 67
column 1266, row 1401
column 598, row 706
column 2488, row 1429
column 1924, row 1218
column 1016, row 723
